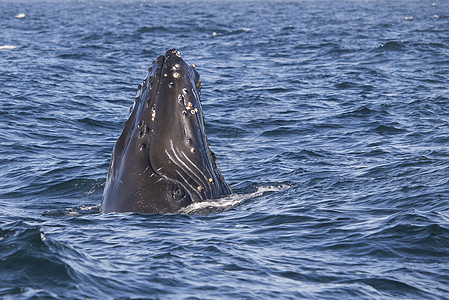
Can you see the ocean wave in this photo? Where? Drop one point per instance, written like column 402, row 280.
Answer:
column 29, row 264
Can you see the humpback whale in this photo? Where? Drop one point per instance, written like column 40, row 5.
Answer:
column 161, row 162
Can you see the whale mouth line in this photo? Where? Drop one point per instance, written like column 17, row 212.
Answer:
column 187, row 169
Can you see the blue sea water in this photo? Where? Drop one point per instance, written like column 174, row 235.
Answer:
column 330, row 120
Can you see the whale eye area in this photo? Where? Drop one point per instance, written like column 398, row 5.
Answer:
column 179, row 194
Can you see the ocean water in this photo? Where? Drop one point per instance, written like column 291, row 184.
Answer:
column 330, row 120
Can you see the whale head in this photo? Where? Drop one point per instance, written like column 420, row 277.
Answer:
column 162, row 161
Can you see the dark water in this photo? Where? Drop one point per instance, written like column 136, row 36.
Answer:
column 329, row 120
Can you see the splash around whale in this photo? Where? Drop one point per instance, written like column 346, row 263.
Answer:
column 161, row 163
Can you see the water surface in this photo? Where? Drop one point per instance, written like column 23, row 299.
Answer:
column 329, row 119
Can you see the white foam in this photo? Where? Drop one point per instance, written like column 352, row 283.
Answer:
column 272, row 188
column 91, row 207
column 7, row 47
column 216, row 205
column 213, row 205
column 75, row 211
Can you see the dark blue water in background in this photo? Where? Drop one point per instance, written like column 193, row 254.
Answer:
column 329, row 119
